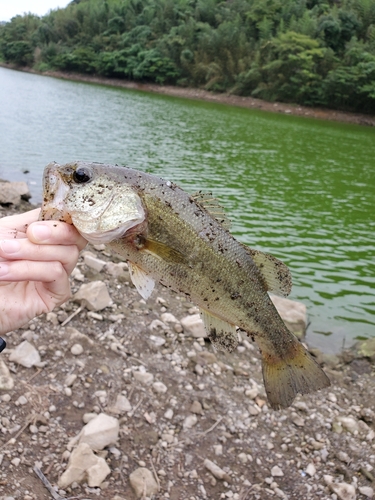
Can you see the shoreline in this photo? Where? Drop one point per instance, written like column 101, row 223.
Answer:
column 205, row 95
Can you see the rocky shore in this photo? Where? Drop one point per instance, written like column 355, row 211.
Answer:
column 112, row 397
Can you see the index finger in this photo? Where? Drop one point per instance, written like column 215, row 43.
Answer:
column 20, row 222
column 54, row 232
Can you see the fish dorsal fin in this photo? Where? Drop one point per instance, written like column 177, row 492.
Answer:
column 275, row 273
column 222, row 334
column 213, row 207
column 142, row 281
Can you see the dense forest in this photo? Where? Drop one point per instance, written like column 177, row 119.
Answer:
column 312, row 52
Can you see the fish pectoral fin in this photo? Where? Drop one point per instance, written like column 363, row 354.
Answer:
column 141, row 280
column 222, row 334
column 275, row 273
column 163, row 251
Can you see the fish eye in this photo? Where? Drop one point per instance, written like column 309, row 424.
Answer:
column 82, row 175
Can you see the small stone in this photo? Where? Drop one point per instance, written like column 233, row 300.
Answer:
column 93, row 262
column 84, row 465
column 344, row 491
column 159, row 387
column 68, row 391
column 22, row 400
column 70, row 379
column 6, row 380
column 168, row 318
column 193, row 326
column 76, row 349
column 198, row 369
column 122, row 405
column 297, row 420
column 94, row 296
column 216, row 471
column 218, row 449
column 25, row 354
column 243, row 458
column 143, row 377
column 344, row 457
column 366, row 491
column 100, row 432
column 276, row 471
column 16, row 461
column 252, row 393
column 143, row 483
column 196, row 407
column 348, row 423
column 157, row 341
column 189, row 421
column 311, row 470
column 168, row 414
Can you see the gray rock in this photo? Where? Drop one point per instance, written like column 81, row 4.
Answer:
column 93, row 262
column 344, row 491
column 122, row 405
column 215, row 470
column 94, row 296
column 193, row 326
column 6, row 380
column 143, row 377
column 76, row 349
column 25, row 354
column 293, row 314
column 84, row 465
column 366, row 491
column 189, row 421
column 100, row 432
column 22, row 189
column 276, row 471
column 9, row 195
column 143, row 483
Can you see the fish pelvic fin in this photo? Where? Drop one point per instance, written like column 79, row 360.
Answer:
column 222, row 334
column 285, row 378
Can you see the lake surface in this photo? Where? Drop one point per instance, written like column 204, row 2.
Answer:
column 301, row 189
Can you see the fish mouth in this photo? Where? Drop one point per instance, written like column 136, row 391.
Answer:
column 55, row 191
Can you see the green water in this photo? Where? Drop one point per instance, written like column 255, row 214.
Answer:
column 301, row 189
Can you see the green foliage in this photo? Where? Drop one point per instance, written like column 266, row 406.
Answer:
column 314, row 52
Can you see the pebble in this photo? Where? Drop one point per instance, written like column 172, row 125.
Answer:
column 276, row 471
column 159, row 387
column 76, row 349
column 366, row 491
column 196, row 407
column 25, row 354
column 143, row 483
column 169, row 414
column 16, row 461
column 297, row 420
column 22, row 400
column 6, row 380
column 311, row 470
column 143, row 377
column 216, row 471
column 189, row 422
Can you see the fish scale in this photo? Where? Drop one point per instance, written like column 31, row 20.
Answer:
column 171, row 237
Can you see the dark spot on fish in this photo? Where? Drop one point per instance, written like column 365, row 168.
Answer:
column 235, row 295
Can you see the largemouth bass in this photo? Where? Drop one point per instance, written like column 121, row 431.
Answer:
column 182, row 241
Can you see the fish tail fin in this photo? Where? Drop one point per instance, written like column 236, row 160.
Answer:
column 296, row 373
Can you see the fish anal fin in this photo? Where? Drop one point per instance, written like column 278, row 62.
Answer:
column 141, row 280
column 285, row 378
column 222, row 334
column 213, row 207
column 276, row 274
column 163, row 251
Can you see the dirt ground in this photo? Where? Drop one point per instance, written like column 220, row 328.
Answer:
column 209, row 405
column 201, row 94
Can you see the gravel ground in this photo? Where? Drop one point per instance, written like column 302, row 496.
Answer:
column 186, row 404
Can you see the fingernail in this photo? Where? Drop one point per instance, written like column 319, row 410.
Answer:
column 10, row 246
column 40, row 232
column 4, row 268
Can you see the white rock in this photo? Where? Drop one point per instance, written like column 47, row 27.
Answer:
column 366, row 491
column 25, row 354
column 190, row 421
column 84, row 465
column 143, row 377
column 158, row 341
column 16, row 461
column 216, row 470
column 159, row 387
column 293, row 314
column 70, row 379
column 100, row 432
column 218, row 449
column 276, row 471
column 6, row 380
column 143, row 483
column 9, row 194
column 122, row 405
column 93, row 262
column 344, row 491
column 22, row 400
column 311, row 470
column 168, row 318
column 94, row 296
column 193, row 326
column 348, row 423
column 116, row 270
column 168, row 414
column 243, row 458
column 297, row 420
column 76, row 349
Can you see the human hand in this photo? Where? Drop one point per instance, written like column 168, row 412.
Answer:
column 36, row 259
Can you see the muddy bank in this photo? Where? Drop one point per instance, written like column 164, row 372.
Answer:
column 204, row 95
